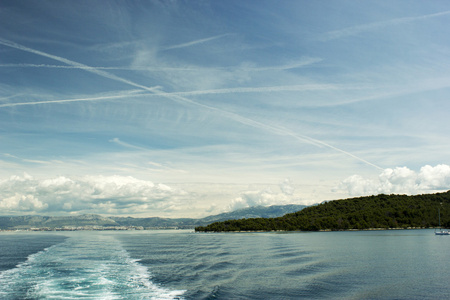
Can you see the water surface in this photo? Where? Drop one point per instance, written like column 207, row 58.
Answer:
column 410, row 264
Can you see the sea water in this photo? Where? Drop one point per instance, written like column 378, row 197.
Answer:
column 179, row 264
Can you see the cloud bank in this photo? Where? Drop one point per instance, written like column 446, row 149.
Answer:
column 400, row 180
column 116, row 195
column 265, row 197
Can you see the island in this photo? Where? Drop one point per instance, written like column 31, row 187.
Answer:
column 361, row 213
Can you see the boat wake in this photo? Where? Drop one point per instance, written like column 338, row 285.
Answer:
column 86, row 267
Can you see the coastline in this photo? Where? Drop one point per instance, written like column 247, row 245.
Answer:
column 321, row 230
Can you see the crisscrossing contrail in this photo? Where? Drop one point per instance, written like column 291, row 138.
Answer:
column 180, row 99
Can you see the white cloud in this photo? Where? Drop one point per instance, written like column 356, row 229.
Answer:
column 400, row 180
column 264, row 197
column 435, row 177
column 93, row 194
column 26, row 203
column 251, row 198
column 286, row 187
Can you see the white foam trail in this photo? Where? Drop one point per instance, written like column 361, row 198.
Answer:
column 89, row 266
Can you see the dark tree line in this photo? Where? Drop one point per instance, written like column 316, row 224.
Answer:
column 381, row 211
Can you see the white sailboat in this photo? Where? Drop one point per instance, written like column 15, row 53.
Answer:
column 441, row 231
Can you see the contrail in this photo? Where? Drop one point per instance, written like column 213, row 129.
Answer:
column 93, row 68
column 336, row 34
column 62, row 67
column 141, row 93
column 200, row 41
column 124, row 144
column 293, row 65
column 180, row 99
column 138, row 93
column 301, row 63
column 74, row 64
column 74, row 100
column 265, row 89
column 273, row 129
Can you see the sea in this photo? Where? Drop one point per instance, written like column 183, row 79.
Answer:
column 182, row 264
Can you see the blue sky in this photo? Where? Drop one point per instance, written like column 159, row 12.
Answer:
column 190, row 108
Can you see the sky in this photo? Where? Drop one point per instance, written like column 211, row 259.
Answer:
column 194, row 108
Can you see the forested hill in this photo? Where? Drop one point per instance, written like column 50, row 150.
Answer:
column 381, row 211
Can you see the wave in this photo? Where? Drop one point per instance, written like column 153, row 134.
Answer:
column 86, row 267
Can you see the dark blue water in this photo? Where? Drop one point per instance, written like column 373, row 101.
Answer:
column 15, row 249
column 185, row 265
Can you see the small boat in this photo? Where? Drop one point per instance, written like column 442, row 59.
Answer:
column 441, row 231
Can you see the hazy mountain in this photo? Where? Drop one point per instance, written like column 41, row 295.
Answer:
column 25, row 222
column 255, row 212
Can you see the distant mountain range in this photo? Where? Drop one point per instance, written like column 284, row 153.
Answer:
column 27, row 222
